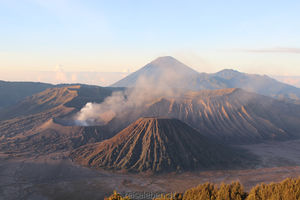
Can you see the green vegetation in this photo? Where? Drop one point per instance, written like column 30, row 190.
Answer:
column 289, row 189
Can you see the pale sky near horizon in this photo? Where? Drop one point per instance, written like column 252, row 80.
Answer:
column 255, row 36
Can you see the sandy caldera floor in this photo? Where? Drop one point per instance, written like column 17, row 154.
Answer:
column 54, row 176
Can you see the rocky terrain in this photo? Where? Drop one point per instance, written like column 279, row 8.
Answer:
column 45, row 122
column 157, row 145
column 35, row 125
column 231, row 115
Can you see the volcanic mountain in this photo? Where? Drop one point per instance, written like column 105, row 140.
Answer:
column 229, row 115
column 71, row 97
column 158, row 145
column 233, row 116
column 170, row 73
column 259, row 84
column 36, row 125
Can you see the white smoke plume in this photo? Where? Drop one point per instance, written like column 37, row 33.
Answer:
column 119, row 103
column 93, row 113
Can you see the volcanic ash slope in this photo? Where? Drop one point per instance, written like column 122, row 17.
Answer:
column 158, row 145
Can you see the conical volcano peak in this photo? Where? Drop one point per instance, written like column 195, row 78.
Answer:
column 157, row 119
column 165, row 60
column 169, row 62
column 166, row 71
column 157, row 145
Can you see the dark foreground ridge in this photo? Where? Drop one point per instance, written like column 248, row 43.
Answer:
column 158, row 145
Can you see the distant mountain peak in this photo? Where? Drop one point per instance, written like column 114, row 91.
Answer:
column 167, row 62
column 163, row 59
column 228, row 73
column 165, row 70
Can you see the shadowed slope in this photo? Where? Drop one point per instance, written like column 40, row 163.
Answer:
column 157, row 144
column 12, row 92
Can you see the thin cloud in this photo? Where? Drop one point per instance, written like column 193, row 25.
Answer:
column 273, row 50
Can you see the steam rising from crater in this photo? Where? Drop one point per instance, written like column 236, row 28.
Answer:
column 93, row 113
column 163, row 77
column 131, row 99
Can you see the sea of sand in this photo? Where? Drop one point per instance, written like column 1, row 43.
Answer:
column 55, row 176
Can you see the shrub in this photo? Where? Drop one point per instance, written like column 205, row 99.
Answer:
column 117, row 196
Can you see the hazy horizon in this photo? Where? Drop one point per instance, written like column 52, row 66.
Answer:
column 100, row 78
column 252, row 37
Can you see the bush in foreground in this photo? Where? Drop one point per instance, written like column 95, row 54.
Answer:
column 289, row 189
column 116, row 196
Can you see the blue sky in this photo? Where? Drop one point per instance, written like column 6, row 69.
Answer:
column 114, row 36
